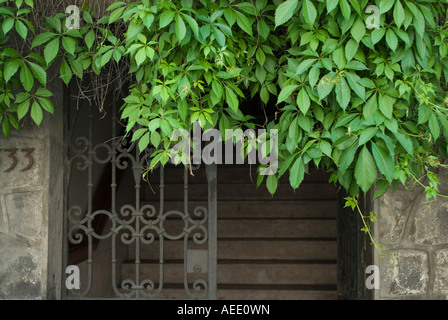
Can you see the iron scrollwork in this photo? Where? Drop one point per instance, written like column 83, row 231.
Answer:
column 132, row 224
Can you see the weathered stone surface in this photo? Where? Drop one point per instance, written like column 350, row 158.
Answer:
column 442, row 174
column 408, row 275
column 3, row 221
column 393, row 210
column 20, row 270
column 25, row 215
column 441, row 272
column 430, row 223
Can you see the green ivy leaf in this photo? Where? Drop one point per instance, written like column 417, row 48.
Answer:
column 46, row 105
column 386, row 5
column 192, row 23
column 303, row 101
column 297, row 173
column 165, row 18
column 366, row 135
column 345, row 9
column 143, row 142
column 365, row 170
column 271, row 184
column 65, row 72
column 399, row 14
column 6, row 126
column 36, row 113
column 155, row 139
column 69, row 45
column 284, row 11
column 21, row 29
column 343, row 94
column 350, row 49
column 26, row 77
column 347, row 157
column 358, row 30
column 405, row 142
column 354, row 82
column 377, row 35
column 231, row 99
column 384, row 160
column 243, row 22
column 434, row 126
column 309, row 12
column 386, row 105
column 39, row 72
column 11, row 67
column 7, row 25
column 370, row 107
column 260, row 56
column 51, row 50
column 325, row 147
column 304, row 66
column 419, row 20
column 391, row 39
column 180, row 27
column 286, row 92
column 331, row 4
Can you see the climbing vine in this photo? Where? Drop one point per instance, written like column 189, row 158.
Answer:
column 364, row 101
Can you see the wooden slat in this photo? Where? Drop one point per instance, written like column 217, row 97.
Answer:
column 241, row 273
column 254, row 249
column 323, row 209
column 275, row 228
column 257, row 293
column 265, row 228
column 229, row 174
column 309, row 191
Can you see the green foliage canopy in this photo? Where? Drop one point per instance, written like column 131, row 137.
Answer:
column 367, row 104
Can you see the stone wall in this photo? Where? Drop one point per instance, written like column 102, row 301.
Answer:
column 415, row 231
column 31, row 215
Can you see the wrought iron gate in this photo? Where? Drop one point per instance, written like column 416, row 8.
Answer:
column 94, row 215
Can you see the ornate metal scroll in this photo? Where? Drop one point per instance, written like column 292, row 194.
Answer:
column 139, row 225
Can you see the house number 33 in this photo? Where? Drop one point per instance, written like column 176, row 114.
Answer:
column 12, row 154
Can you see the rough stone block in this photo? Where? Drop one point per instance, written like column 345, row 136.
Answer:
column 430, row 223
column 441, row 272
column 393, row 211
column 20, row 270
column 25, row 215
column 3, row 221
column 442, row 174
column 407, row 276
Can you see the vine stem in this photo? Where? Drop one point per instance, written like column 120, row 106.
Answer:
column 367, row 230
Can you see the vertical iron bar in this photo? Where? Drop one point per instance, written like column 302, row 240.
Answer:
column 161, row 211
column 67, row 135
column 137, row 220
column 113, row 197
column 211, row 172
column 90, row 198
